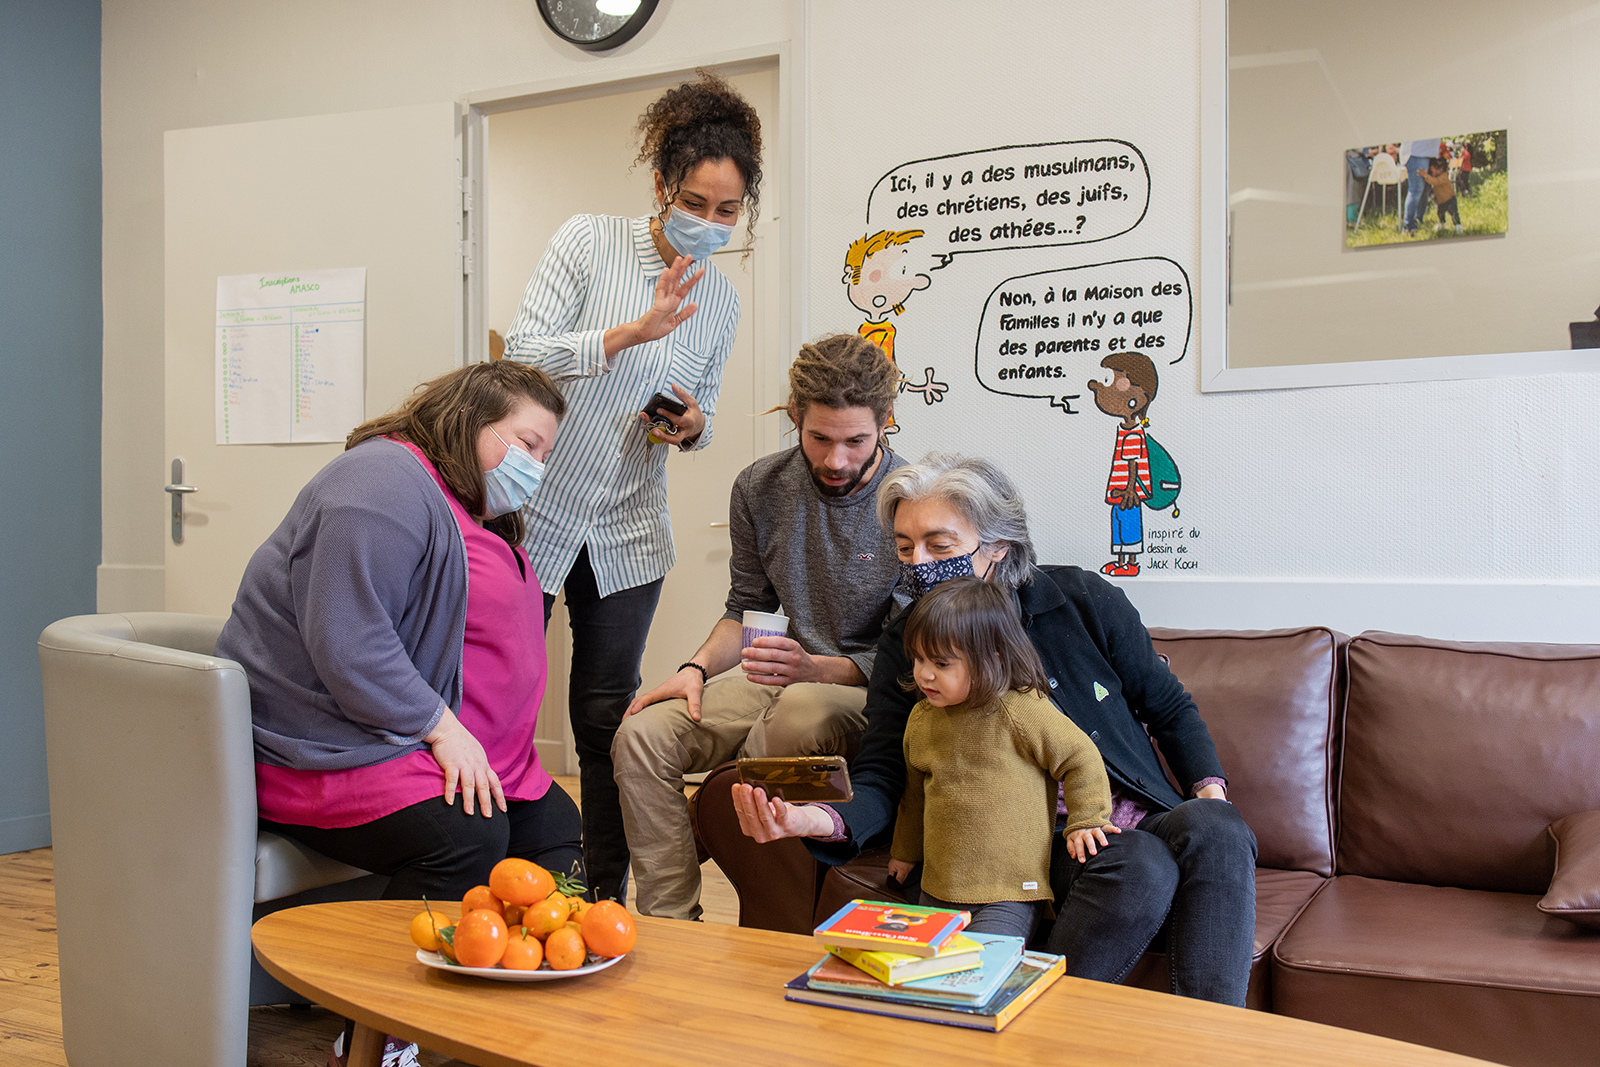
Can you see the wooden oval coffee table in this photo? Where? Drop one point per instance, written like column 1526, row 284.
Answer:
column 700, row 994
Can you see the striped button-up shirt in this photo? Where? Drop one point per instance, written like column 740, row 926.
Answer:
column 605, row 484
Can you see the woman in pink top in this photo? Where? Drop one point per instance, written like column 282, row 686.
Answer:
column 393, row 635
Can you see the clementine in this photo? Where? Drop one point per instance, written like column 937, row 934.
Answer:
column 608, row 929
column 565, row 950
column 544, row 917
column 481, row 938
column 519, row 881
column 524, row 952
column 482, row 897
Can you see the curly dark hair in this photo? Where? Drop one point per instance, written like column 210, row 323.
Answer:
column 701, row 120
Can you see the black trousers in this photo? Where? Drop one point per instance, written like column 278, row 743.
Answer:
column 439, row 851
column 608, row 635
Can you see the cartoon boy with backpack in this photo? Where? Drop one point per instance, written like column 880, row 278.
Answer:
column 1142, row 473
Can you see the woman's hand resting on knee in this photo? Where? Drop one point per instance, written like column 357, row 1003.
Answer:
column 462, row 759
column 773, row 819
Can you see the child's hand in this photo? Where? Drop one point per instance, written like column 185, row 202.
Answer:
column 1081, row 843
column 900, row 870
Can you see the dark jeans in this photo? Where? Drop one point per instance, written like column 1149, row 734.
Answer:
column 1015, row 918
column 1450, row 207
column 439, row 851
column 608, row 635
column 1193, row 868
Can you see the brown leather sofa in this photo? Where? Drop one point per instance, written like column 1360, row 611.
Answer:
column 1428, row 816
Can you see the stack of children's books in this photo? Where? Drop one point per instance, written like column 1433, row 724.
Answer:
column 915, row 963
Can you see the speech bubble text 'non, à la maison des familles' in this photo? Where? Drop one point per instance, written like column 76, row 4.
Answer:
column 1043, row 335
column 1017, row 196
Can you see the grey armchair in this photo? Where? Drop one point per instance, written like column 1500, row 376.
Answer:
column 158, row 862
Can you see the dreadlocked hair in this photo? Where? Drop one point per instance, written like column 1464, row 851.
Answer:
column 444, row 417
column 701, row 120
column 844, row 370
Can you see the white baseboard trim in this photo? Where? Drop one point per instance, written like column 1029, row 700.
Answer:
column 25, row 832
column 1457, row 611
column 130, row 587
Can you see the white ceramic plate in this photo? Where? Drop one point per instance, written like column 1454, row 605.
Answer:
column 500, row 974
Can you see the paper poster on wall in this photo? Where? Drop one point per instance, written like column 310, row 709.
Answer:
column 1106, row 329
column 290, row 356
column 1392, row 189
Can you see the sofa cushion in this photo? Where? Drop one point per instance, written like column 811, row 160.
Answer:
column 1575, row 888
column 1415, row 961
column 1457, row 756
column 1268, row 699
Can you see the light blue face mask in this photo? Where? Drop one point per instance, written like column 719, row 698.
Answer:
column 512, row 483
column 694, row 236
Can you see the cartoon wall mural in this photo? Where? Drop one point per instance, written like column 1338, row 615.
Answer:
column 1039, row 331
column 879, row 278
column 1140, row 468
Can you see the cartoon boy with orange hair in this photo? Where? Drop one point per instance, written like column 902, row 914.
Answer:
column 879, row 278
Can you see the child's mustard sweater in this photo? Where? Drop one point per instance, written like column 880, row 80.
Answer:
column 980, row 801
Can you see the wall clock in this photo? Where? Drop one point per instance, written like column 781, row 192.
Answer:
column 596, row 25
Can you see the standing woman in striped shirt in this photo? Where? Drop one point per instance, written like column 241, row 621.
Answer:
column 618, row 310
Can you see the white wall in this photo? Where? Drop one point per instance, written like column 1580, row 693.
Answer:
column 1455, row 508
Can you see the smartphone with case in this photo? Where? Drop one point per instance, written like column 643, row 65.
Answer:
column 664, row 402
column 798, row 779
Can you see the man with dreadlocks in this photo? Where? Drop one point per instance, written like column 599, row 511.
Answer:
column 805, row 537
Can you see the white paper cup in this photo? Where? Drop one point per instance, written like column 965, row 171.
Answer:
column 763, row 624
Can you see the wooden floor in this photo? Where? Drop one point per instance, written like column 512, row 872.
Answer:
column 30, row 995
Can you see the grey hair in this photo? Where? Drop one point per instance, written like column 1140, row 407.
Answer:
column 981, row 492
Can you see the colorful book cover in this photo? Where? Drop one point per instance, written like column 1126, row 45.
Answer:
column 904, row 928
column 998, row 955
column 1033, row 974
column 960, row 953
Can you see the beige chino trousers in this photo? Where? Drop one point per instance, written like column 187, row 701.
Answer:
column 655, row 748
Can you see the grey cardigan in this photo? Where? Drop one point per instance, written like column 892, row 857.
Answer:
column 350, row 618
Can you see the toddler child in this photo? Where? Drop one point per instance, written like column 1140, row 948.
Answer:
column 1444, row 191
column 984, row 750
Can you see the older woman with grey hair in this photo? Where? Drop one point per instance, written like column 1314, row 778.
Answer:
column 1188, row 859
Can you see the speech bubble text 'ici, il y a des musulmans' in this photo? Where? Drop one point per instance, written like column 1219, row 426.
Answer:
column 1020, row 196
column 1043, row 335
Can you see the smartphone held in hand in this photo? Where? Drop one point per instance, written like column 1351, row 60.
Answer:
column 664, row 402
column 798, row 779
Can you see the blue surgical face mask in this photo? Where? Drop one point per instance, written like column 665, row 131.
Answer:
column 694, row 236
column 512, row 483
column 917, row 578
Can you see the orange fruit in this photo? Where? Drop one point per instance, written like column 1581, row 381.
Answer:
column 608, row 929
column 580, row 907
column 524, row 952
column 565, row 950
column 545, row 917
column 514, row 915
column 446, row 949
column 425, row 930
column 481, row 897
column 481, row 938
column 519, row 881
column 570, row 902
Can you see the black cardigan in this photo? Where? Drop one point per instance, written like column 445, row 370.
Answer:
column 1088, row 634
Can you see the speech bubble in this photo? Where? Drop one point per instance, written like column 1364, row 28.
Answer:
column 1018, row 196
column 1043, row 335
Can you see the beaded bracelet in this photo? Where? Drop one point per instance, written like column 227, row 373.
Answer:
column 704, row 677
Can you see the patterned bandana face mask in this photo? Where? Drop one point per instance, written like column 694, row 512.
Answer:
column 917, row 578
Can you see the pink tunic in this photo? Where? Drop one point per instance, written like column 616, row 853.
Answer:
column 502, row 682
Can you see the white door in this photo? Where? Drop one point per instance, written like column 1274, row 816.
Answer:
column 375, row 189
column 533, row 182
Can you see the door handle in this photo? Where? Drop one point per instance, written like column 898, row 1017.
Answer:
column 176, row 491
